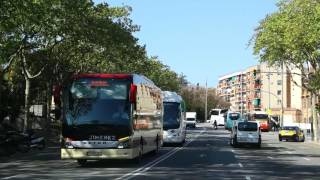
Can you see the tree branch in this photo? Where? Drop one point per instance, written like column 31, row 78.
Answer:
column 25, row 69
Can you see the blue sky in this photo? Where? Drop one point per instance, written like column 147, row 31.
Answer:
column 203, row 39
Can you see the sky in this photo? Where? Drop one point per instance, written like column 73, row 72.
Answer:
column 203, row 39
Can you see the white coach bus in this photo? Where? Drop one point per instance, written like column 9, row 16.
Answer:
column 174, row 125
column 111, row 116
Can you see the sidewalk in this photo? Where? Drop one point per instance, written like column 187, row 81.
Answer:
column 52, row 146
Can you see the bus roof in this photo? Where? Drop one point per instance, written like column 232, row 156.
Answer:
column 259, row 112
column 96, row 75
column 169, row 96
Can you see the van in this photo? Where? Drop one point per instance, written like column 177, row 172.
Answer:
column 229, row 118
column 191, row 119
column 245, row 132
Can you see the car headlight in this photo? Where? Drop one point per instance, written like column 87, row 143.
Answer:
column 174, row 132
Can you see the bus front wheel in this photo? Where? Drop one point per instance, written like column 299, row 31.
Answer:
column 82, row 162
column 138, row 159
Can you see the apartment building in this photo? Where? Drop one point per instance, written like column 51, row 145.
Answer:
column 265, row 88
column 241, row 89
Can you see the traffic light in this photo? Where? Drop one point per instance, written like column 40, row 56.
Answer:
column 254, row 72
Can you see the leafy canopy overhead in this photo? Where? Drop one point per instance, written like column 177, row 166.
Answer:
column 290, row 36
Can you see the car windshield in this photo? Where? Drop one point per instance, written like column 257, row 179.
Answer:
column 290, row 128
column 234, row 116
column 98, row 101
column 190, row 119
column 171, row 116
column 260, row 116
column 247, row 126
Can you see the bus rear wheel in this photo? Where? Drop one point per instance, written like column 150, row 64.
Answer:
column 157, row 146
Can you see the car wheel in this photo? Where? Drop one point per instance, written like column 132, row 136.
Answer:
column 280, row 138
column 258, row 145
column 235, row 142
column 42, row 145
column 296, row 138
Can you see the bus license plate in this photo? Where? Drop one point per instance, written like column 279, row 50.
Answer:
column 94, row 153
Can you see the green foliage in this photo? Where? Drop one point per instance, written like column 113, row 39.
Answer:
column 49, row 40
column 291, row 37
column 194, row 97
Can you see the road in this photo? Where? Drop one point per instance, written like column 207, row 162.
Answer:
column 206, row 155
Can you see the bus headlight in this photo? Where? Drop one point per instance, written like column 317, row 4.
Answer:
column 124, row 143
column 68, row 143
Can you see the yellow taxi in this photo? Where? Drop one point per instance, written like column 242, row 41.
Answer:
column 291, row 133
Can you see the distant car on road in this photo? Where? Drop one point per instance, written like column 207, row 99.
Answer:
column 245, row 132
column 293, row 133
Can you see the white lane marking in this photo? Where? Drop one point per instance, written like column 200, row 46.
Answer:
column 240, row 165
column 270, row 157
column 288, row 152
column 248, row 178
column 307, row 159
column 232, row 150
column 156, row 161
column 14, row 176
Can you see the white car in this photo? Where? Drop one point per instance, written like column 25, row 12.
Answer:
column 245, row 132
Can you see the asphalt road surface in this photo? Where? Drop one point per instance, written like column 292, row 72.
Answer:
column 206, row 155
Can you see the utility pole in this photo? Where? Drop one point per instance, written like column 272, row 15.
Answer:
column 206, row 103
column 269, row 74
column 314, row 117
column 281, row 120
column 241, row 95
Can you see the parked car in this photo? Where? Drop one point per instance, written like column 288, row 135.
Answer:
column 245, row 132
column 293, row 133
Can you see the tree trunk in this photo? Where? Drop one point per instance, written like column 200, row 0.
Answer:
column 314, row 118
column 1, row 104
column 48, row 108
column 26, row 123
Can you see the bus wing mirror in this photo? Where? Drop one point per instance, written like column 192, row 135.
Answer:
column 133, row 93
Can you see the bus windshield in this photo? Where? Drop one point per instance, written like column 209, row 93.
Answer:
column 171, row 117
column 215, row 112
column 247, row 126
column 234, row 116
column 98, row 101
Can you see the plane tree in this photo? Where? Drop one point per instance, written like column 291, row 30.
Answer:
column 290, row 38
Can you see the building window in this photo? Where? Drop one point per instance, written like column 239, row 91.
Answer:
column 279, row 82
column 279, row 92
column 279, row 102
